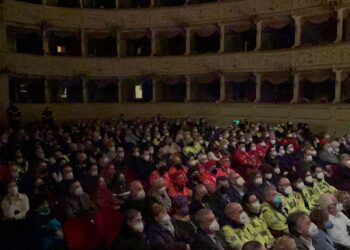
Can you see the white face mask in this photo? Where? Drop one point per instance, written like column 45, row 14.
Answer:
column 309, row 158
column 288, row 190
column 79, row 191
column 290, row 150
column 348, row 162
column 300, row 185
column 259, row 181
column 320, row 176
column 69, row 176
column 244, row 218
column 139, row 227
column 255, row 207
column 162, row 190
column 273, row 142
column 282, row 152
column 263, row 144
column 240, row 181
column 214, row 226
column 192, row 163
column 336, row 150
column 146, row 157
column 253, row 148
column 277, row 170
column 314, row 153
column 308, row 179
column 268, row 176
column 243, row 149
column 165, row 220
column 141, row 195
column 339, row 207
column 313, row 229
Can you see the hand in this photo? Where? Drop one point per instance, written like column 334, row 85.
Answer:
column 188, row 247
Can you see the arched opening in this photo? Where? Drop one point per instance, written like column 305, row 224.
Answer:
column 240, row 37
column 277, row 87
column 317, row 87
column 205, row 88
column 240, row 87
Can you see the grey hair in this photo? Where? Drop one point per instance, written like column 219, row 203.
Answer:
column 201, row 214
column 325, row 200
column 267, row 190
column 131, row 214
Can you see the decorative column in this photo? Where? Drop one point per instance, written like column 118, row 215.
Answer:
column 188, row 89
column 257, row 87
column 153, row 42
column 81, row 3
column 222, row 38
column 120, row 82
column 154, row 89
column 258, row 35
column 296, row 88
column 222, row 87
column 188, row 41
column 4, row 90
column 47, row 90
column 118, row 43
column 85, row 90
column 152, row 3
column 44, row 2
column 340, row 23
column 117, row 4
column 45, row 38
column 338, row 81
column 297, row 34
column 83, row 43
column 4, row 97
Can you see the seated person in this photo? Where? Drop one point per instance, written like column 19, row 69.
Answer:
column 252, row 206
column 302, row 230
column 209, row 236
column 274, row 213
column 185, row 230
column 253, row 245
column 77, row 203
column 237, row 227
column 137, row 199
column 132, row 236
column 339, row 232
column 322, row 240
column 161, row 231
column 14, row 205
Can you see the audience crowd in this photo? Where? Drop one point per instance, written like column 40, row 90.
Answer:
column 172, row 184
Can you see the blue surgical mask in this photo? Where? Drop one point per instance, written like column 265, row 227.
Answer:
column 328, row 225
column 277, row 201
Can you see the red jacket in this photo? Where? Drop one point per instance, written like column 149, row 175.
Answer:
column 156, row 175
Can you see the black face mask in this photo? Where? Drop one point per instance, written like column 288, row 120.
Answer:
column 214, row 171
column 223, row 190
column 206, row 198
column 191, row 144
column 162, row 170
column 178, row 166
column 41, row 188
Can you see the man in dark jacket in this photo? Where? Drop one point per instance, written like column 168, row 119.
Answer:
column 209, row 236
column 132, row 236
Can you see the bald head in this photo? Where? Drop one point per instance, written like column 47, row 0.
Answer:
column 135, row 188
column 233, row 211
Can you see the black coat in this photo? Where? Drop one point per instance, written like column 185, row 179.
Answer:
column 129, row 240
column 203, row 242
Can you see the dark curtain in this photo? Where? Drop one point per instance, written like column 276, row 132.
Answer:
column 173, row 46
column 238, row 42
column 174, row 93
column 27, row 90
column 163, row 3
column 30, row 43
column 124, row 4
column 314, row 34
column 68, row 3
column 315, row 92
column 71, row 43
column 143, row 43
column 276, row 93
column 210, row 44
column 278, row 38
column 242, row 91
column 106, row 47
column 103, row 91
